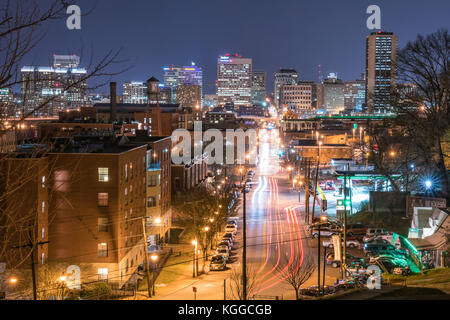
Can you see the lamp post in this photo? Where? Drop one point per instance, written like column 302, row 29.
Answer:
column 194, row 243
column 61, row 285
column 154, row 258
column 323, row 219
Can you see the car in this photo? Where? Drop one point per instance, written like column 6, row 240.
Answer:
column 323, row 233
column 356, row 229
column 373, row 249
column 228, row 235
column 231, row 228
column 232, row 221
column 336, row 263
column 223, row 246
column 376, row 232
column 218, row 262
column 228, row 242
column 350, row 244
column 387, row 237
column 223, row 251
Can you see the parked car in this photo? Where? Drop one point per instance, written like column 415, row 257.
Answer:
column 336, row 263
column 218, row 262
column 223, row 251
column 356, row 229
column 225, row 243
column 231, row 228
column 374, row 248
column 229, row 242
column 376, row 232
column 232, row 221
column 228, row 236
column 350, row 244
column 387, row 237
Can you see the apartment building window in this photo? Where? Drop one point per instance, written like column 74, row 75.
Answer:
column 126, row 196
column 102, row 274
column 126, row 172
column 103, row 224
column 43, row 181
column 102, row 249
column 131, row 170
column 151, row 202
column 43, row 206
column 102, row 199
column 152, row 180
column 103, row 174
column 143, row 184
column 43, row 258
column 131, row 193
column 43, row 233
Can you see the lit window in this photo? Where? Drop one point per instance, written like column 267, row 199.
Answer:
column 126, row 172
column 103, row 174
column 131, row 170
column 151, row 202
column 103, row 224
column 102, row 199
column 102, row 274
column 43, row 181
column 103, row 249
column 43, row 233
column 43, row 206
column 43, row 258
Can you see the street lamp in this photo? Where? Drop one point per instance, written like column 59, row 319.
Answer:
column 158, row 222
column 154, row 258
column 12, row 280
column 323, row 219
column 194, row 243
column 428, row 183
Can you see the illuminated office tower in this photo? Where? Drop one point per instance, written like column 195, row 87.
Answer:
column 234, row 80
column 381, row 55
column 282, row 77
column 259, row 93
column 172, row 79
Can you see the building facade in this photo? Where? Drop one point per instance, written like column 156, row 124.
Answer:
column 259, row 92
column 234, row 80
column 282, row 77
column 297, row 98
column 189, row 95
column 354, row 95
column 381, row 56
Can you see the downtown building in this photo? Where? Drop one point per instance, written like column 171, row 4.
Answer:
column 354, row 96
column 381, row 56
column 330, row 95
column 259, row 92
column 234, row 80
column 187, row 75
column 65, row 82
column 297, row 98
column 283, row 77
column 135, row 92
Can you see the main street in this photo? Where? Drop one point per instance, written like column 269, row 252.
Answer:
column 276, row 237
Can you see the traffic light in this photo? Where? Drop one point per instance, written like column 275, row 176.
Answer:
column 348, row 204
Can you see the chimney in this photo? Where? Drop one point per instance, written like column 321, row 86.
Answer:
column 113, row 101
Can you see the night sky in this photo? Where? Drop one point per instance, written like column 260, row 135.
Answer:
column 274, row 33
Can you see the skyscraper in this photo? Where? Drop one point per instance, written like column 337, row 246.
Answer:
column 234, row 80
column 64, row 81
column 381, row 53
column 189, row 95
column 192, row 75
column 259, row 87
column 172, row 79
column 283, row 76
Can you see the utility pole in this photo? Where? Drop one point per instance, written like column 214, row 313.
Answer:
column 318, row 259
column 147, row 266
column 32, row 245
column 244, row 251
column 224, row 289
column 307, row 184
column 324, row 266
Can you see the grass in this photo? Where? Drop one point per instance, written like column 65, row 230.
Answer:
column 412, row 292
column 174, row 268
column 437, row 275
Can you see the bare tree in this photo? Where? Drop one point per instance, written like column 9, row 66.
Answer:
column 297, row 273
column 421, row 101
column 235, row 287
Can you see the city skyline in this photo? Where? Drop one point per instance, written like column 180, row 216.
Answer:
column 306, row 43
